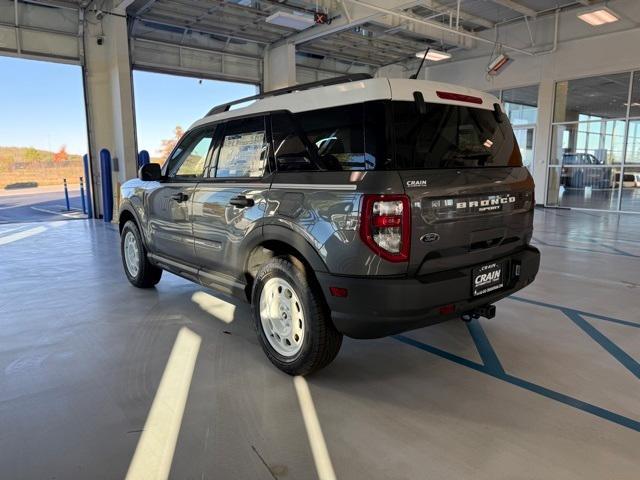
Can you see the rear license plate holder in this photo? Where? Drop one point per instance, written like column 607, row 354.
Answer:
column 487, row 278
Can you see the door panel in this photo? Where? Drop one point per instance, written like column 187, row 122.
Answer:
column 170, row 206
column 170, row 221
column 230, row 204
column 219, row 227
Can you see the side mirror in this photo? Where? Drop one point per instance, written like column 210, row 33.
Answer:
column 151, row 172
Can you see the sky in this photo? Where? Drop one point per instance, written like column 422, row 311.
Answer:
column 43, row 107
column 166, row 101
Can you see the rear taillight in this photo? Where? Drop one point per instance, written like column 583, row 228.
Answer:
column 386, row 226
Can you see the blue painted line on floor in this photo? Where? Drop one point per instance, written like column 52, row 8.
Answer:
column 486, row 351
column 532, row 387
column 580, row 312
column 614, row 350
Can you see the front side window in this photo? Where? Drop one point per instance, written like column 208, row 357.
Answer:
column 244, row 150
column 452, row 136
column 189, row 157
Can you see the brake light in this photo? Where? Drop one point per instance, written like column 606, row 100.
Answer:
column 385, row 226
column 459, row 97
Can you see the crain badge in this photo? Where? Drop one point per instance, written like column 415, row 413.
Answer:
column 416, row 183
column 430, row 237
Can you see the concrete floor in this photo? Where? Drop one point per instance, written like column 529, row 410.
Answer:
column 547, row 389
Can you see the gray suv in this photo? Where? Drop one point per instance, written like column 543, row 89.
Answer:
column 357, row 206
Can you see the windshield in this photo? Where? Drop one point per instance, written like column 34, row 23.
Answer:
column 451, row 136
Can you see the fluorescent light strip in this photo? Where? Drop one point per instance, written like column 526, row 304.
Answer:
column 434, row 55
column 598, row 17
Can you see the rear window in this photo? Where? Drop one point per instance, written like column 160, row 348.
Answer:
column 451, row 136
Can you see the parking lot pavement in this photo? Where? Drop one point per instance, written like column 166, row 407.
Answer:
column 547, row 389
column 39, row 204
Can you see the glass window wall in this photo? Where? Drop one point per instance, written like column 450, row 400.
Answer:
column 595, row 144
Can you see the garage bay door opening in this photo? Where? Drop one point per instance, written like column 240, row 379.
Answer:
column 42, row 141
column 166, row 105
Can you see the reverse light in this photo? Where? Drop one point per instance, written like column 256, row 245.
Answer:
column 386, row 226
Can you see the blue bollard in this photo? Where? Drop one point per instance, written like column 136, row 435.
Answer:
column 143, row 158
column 85, row 159
column 107, row 185
column 84, row 206
column 66, row 195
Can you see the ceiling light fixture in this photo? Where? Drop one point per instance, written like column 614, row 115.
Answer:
column 434, row 55
column 295, row 20
column 600, row 16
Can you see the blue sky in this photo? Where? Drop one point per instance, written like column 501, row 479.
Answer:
column 166, row 101
column 43, row 107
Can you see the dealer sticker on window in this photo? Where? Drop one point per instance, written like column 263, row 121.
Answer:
column 487, row 278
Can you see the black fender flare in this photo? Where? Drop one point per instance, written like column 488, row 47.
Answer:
column 127, row 206
column 289, row 237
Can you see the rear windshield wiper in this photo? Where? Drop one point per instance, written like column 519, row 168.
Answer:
column 460, row 158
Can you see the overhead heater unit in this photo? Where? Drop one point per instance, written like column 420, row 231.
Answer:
column 498, row 64
column 298, row 21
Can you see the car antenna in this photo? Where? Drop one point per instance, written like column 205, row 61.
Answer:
column 415, row 75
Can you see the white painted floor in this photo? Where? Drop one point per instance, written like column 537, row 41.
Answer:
column 547, row 389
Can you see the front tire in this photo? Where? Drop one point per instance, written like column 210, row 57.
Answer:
column 139, row 271
column 293, row 325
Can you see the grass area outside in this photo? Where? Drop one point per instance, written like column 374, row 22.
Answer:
column 27, row 164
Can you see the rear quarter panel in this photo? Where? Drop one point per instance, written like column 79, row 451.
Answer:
column 324, row 208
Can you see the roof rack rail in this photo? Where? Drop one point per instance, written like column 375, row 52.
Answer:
column 356, row 77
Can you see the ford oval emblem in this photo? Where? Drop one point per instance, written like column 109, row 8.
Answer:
column 430, row 237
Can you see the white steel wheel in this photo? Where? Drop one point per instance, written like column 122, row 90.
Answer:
column 131, row 254
column 282, row 317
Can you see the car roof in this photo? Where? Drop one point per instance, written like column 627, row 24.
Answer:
column 354, row 92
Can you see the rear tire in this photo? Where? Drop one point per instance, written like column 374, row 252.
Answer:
column 292, row 323
column 139, row 271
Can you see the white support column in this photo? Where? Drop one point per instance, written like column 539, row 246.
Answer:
column 109, row 97
column 279, row 67
column 543, row 138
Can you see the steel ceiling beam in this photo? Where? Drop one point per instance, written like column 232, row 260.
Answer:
column 144, row 8
column 361, row 13
column 517, row 7
column 436, row 25
column 466, row 16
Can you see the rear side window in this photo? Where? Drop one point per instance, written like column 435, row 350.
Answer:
column 451, row 136
column 330, row 139
column 244, row 150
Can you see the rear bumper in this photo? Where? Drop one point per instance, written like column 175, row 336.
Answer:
column 377, row 307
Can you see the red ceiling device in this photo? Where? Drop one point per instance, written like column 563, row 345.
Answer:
column 320, row 18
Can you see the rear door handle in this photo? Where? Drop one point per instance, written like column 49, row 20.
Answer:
column 241, row 201
column 180, row 197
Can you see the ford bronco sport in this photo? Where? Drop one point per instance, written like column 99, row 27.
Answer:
column 357, row 206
